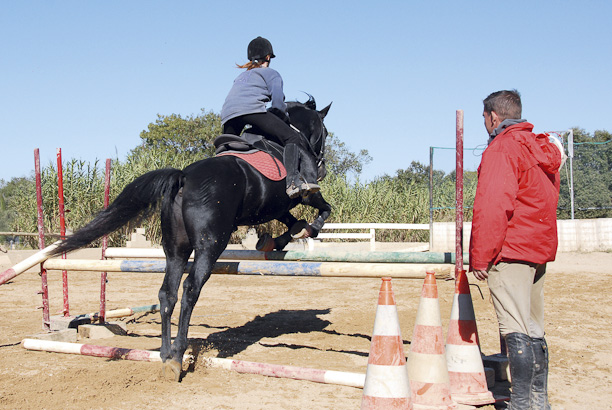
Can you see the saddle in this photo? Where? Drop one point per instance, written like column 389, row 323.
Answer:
column 263, row 155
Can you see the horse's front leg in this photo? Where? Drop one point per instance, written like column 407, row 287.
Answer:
column 312, row 231
column 266, row 243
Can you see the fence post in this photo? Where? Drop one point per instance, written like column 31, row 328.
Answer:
column 431, row 241
column 372, row 239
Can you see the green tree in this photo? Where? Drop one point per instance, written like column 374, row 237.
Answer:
column 175, row 134
column 340, row 160
column 9, row 207
column 592, row 173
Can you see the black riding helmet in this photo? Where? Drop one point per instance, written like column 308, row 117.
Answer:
column 259, row 48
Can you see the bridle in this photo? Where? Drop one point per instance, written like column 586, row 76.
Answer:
column 310, row 145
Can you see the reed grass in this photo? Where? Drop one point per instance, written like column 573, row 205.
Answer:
column 384, row 200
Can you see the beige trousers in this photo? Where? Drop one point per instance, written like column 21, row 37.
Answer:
column 517, row 290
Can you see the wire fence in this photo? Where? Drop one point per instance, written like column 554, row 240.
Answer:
column 586, row 177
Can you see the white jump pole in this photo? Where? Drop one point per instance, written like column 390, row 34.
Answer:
column 321, row 269
column 240, row 366
column 26, row 264
column 91, row 350
column 289, row 372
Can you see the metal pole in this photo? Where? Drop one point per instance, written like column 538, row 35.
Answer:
column 459, row 196
column 62, row 218
column 431, row 241
column 103, row 275
column 570, row 151
column 46, row 322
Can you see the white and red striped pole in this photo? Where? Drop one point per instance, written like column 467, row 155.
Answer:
column 289, row 372
column 46, row 321
column 103, row 275
column 459, row 195
column 91, row 350
column 62, row 219
column 240, row 366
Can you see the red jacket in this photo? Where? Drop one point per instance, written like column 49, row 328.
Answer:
column 515, row 209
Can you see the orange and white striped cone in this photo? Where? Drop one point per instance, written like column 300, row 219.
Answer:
column 427, row 369
column 468, row 381
column 386, row 383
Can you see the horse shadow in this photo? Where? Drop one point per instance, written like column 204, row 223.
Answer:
column 234, row 340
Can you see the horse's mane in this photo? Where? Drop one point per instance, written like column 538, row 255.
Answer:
column 311, row 103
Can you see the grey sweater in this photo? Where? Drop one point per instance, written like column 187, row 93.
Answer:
column 252, row 91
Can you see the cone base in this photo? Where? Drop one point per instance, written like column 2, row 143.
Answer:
column 432, row 396
column 417, row 406
column 377, row 403
column 475, row 399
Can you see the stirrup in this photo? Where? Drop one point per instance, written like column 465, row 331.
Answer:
column 307, row 188
column 293, row 191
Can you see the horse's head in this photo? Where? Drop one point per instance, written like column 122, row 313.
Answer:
column 306, row 118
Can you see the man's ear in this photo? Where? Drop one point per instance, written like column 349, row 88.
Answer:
column 495, row 120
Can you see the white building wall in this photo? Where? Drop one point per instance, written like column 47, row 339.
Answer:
column 578, row 235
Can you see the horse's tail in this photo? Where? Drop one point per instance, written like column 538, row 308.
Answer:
column 137, row 199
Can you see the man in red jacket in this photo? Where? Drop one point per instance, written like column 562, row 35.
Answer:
column 514, row 234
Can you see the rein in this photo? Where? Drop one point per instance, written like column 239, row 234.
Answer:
column 318, row 156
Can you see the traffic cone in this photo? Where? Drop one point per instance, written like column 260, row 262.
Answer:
column 468, row 381
column 386, row 383
column 427, row 369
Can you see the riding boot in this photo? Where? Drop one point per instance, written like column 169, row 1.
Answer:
column 291, row 157
column 522, row 363
column 308, row 174
column 539, row 387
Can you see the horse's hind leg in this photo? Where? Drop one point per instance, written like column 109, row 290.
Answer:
column 192, row 286
column 177, row 248
column 209, row 235
column 168, row 296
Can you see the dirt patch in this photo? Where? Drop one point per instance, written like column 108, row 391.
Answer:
column 322, row 323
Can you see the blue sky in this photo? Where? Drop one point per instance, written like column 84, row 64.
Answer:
column 89, row 76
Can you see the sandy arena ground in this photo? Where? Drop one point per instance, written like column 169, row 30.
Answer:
column 322, row 323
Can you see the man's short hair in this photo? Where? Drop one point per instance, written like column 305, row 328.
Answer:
column 506, row 104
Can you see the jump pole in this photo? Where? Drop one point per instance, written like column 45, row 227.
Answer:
column 319, row 269
column 312, row 256
column 289, row 372
column 240, row 366
column 123, row 312
column 26, row 264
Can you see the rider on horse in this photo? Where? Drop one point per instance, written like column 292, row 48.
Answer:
column 246, row 104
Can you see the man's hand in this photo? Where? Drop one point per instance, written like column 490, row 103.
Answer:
column 481, row 274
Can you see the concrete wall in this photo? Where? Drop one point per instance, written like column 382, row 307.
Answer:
column 578, row 235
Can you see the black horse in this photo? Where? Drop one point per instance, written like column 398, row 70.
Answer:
column 200, row 207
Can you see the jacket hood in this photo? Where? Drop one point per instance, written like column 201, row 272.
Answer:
column 544, row 153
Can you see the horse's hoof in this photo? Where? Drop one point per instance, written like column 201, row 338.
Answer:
column 300, row 230
column 171, row 370
column 265, row 243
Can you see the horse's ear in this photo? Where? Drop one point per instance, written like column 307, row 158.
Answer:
column 324, row 111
